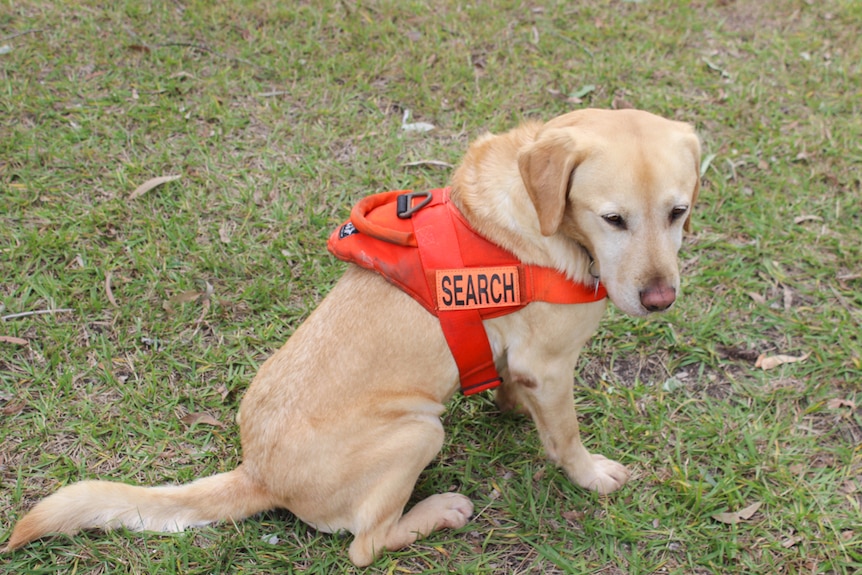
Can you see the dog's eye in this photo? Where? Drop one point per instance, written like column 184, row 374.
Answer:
column 677, row 212
column 615, row 220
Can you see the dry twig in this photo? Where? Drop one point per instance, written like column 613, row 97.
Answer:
column 35, row 312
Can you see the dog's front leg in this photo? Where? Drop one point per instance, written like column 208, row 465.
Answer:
column 546, row 391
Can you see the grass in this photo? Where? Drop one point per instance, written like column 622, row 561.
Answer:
column 278, row 116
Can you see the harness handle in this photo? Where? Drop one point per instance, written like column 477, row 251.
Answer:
column 369, row 203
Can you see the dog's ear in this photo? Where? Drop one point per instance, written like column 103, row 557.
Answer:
column 546, row 167
column 693, row 144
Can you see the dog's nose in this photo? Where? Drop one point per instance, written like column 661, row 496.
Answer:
column 658, row 297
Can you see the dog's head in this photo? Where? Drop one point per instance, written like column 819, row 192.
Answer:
column 621, row 183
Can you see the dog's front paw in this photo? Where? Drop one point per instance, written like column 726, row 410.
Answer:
column 603, row 475
column 454, row 510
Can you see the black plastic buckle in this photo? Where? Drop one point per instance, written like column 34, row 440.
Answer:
column 404, row 206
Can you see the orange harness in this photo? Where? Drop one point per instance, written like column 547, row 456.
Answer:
column 431, row 252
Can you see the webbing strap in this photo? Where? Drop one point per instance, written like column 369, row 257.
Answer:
column 543, row 284
column 439, row 249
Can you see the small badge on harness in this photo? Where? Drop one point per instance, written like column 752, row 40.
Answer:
column 477, row 288
column 347, row 229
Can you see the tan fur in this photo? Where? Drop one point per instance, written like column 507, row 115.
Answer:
column 338, row 424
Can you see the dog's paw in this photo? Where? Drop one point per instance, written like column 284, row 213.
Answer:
column 604, row 476
column 454, row 510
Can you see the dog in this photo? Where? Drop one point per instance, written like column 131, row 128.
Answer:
column 336, row 427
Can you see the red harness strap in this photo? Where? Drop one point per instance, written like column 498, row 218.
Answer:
column 432, row 253
column 439, row 249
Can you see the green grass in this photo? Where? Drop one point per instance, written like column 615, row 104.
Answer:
column 280, row 115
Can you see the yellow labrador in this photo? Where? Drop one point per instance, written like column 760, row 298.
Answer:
column 336, row 430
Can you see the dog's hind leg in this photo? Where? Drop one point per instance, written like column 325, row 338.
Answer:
column 380, row 523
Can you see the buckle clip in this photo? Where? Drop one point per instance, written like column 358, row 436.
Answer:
column 404, row 204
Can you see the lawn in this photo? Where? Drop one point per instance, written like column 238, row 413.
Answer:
column 135, row 318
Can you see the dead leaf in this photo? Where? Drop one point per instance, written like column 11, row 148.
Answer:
column 13, row 407
column 849, row 487
column 188, row 296
column 209, row 290
column 185, row 297
column 414, row 126
column 739, row 353
column 577, row 96
column 706, row 163
column 765, row 362
column 206, row 307
column 108, row 290
column 223, row 233
column 205, row 418
column 433, row 163
column 182, row 74
column 273, row 93
column 838, row 403
column 620, row 103
column 788, row 298
column 574, row 516
column 790, row 127
column 78, row 261
column 13, row 340
column 757, row 297
column 734, row 517
column 791, row 541
column 806, row 218
column 843, row 279
column 479, row 61
column 150, row 184
column 749, row 511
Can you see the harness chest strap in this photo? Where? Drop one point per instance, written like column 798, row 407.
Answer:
column 440, row 250
column 457, row 275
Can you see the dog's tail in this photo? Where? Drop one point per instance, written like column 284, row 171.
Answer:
column 106, row 505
